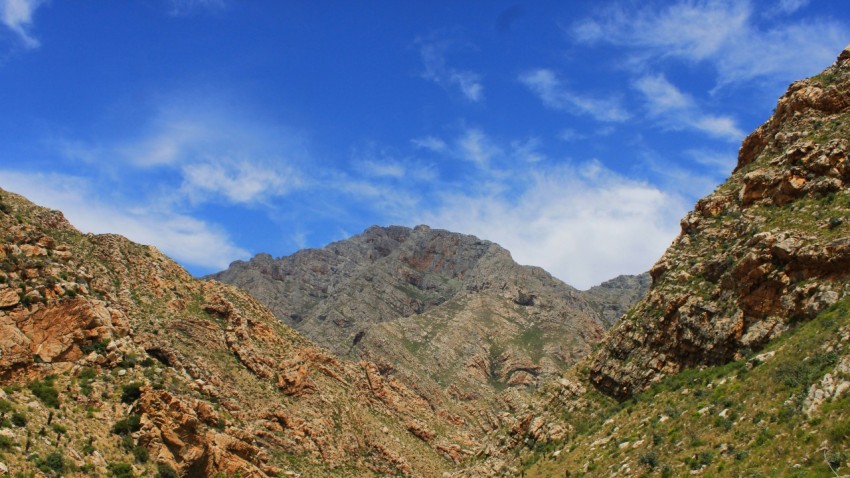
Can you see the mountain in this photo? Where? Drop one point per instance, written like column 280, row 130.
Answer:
column 737, row 362
column 446, row 310
column 766, row 249
column 114, row 361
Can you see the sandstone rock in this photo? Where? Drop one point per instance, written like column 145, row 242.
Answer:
column 8, row 298
column 749, row 259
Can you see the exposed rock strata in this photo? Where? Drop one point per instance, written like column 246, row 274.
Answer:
column 769, row 247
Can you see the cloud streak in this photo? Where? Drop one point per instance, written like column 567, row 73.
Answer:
column 433, row 56
column 677, row 110
column 546, row 85
column 725, row 34
column 17, row 16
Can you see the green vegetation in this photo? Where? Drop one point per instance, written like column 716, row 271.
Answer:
column 121, row 470
column 128, row 425
column 131, row 392
column 165, row 471
column 744, row 418
column 46, row 391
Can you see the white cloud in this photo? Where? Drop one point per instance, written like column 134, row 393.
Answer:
column 583, row 224
column 185, row 7
column 474, row 146
column 722, row 163
column 239, row 182
column 791, row 6
column 527, row 151
column 723, row 33
column 431, row 143
column 677, row 110
column 433, row 55
column 216, row 154
column 185, row 238
column 469, row 84
column 17, row 16
column 546, row 85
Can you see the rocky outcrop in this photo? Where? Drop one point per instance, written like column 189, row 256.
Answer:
column 769, row 247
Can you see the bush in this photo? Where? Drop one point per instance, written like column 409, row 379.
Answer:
column 5, row 407
column 141, row 454
column 649, row 459
column 19, row 419
column 46, row 392
column 6, row 442
column 840, row 432
column 131, row 392
column 54, row 461
column 165, row 471
column 121, row 470
column 128, row 425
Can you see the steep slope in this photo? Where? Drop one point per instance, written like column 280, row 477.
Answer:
column 737, row 363
column 113, row 360
column 769, row 247
column 445, row 310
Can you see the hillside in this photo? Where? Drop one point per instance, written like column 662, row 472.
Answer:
column 115, row 362
column 450, row 312
column 737, row 361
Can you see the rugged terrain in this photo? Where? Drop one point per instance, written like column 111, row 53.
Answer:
column 448, row 311
column 737, row 362
column 116, row 362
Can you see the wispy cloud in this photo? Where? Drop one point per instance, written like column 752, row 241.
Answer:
column 546, row 85
column 17, row 16
column 724, row 33
column 430, row 143
column 216, row 156
column 432, row 52
column 790, row 6
column 378, row 162
column 677, row 110
column 185, row 238
column 475, row 146
column 722, row 163
column 527, row 150
column 185, row 7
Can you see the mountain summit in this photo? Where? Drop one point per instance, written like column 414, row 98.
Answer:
column 448, row 309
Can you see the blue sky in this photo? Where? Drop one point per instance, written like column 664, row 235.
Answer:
column 575, row 134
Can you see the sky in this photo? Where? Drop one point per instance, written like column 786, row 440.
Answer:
column 574, row 134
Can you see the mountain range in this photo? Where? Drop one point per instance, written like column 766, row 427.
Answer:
column 421, row 352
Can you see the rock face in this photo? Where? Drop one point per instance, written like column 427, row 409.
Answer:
column 769, row 247
column 444, row 309
column 132, row 362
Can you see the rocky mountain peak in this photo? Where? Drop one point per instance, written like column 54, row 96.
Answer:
column 447, row 310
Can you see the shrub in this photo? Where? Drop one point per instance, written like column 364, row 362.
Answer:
column 53, row 461
column 649, row 459
column 131, row 392
column 5, row 407
column 98, row 346
column 128, row 425
column 19, row 419
column 141, row 454
column 840, row 432
column 6, row 442
column 165, row 471
column 121, row 470
column 46, row 392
